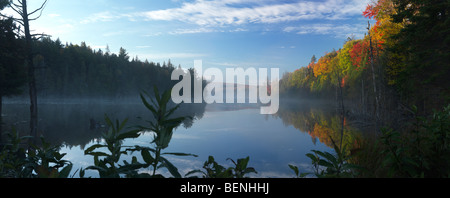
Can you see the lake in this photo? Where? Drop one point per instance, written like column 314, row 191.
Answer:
column 222, row 131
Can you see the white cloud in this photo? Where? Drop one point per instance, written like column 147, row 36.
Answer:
column 233, row 15
column 339, row 31
column 238, row 30
column 107, row 16
column 228, row 12
column 143, row 46
column 101, row 16
column 204, row 30
column 153, row 34
column 192, row 31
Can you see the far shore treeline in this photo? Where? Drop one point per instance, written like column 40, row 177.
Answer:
column 72, row 70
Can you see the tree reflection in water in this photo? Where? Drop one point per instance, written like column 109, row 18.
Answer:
column 321, row 121
column 80, row 123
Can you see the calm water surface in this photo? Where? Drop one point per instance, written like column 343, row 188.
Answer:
column 272, row 142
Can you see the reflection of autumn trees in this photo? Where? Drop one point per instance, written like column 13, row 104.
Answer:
column 320, row 123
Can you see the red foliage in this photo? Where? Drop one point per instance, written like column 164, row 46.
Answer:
column 371, row 11
column 356, row 54
column 343, row 81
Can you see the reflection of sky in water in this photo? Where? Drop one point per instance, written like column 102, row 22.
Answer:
column 229, row 134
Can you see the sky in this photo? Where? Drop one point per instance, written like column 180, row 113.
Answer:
column 281, row 34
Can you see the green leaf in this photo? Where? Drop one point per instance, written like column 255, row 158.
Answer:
column 295, row 169
column 129, row 134
column 82, row 172
column 149, row 107
column 242, row 163
column 170, row 112
column 170, row 167
column 331, row 158
column 303, row 175
column 147, row 157
column 166, row 96
column 122, row 125
column 181, row 154
column 65, row 171
column 93, row 147
column 98, row 154
column 108, row 121
column 157, row 96
column 98, row 168
column 250, row 170
column 311, row 156
column 194, row 172
column 325, row 163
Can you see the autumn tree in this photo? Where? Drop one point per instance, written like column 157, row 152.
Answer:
column 404, row 55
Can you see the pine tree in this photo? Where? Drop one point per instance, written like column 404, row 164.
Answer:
column 26, row 16
column 425, row 42
column 12, row 73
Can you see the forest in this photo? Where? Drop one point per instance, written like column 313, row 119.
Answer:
column 77, row 71
column 395, row 79
column 401, row 62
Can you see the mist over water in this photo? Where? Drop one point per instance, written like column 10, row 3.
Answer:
column 220, row 130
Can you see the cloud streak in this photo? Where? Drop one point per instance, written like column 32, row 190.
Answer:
column 239, row 12
column 208, row 16
column 339, row 31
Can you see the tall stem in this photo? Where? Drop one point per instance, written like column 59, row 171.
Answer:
column 31, row 76
column 377, row 104
column 155, row 165
column 1, row 119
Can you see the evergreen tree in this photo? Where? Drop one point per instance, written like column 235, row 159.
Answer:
column 12, row 73
column 425, row 42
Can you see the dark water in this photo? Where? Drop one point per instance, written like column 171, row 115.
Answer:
column 272, row 142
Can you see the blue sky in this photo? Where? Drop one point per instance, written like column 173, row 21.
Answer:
column 227, row 33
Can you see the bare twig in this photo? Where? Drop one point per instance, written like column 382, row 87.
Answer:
column 39, row 9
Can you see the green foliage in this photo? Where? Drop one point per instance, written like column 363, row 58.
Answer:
column 3, row 4
column 107, row 163
column 395, row 155
column 423, row 45
column 162, row 126
column 423, row 152
column 327, row 165
column 12, row 157
column 44, row 161
column 215, row 170
column 241, row 169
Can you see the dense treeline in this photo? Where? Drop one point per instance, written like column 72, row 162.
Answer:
column 78, row 71
column 396, row 77
column 402, row 61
